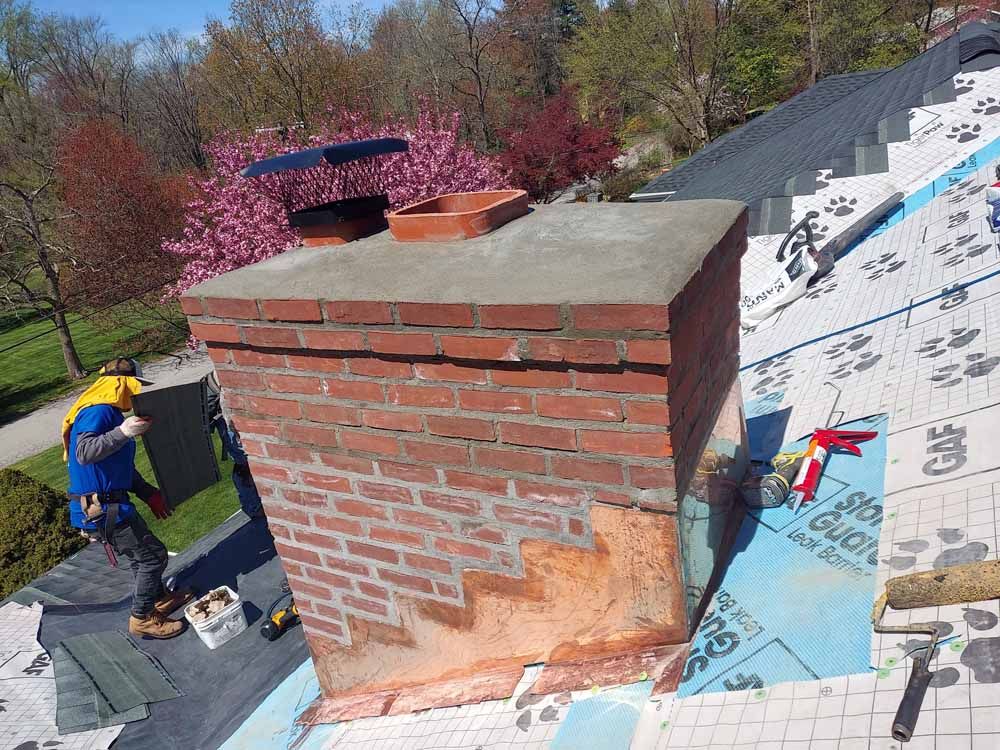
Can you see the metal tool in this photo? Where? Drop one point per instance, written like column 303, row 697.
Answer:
column 972, row 582
column 279, row 620
column 822, row 442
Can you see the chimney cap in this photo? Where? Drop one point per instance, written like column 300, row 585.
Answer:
column 336, row 153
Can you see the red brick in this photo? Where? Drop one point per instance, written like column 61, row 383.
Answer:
column 289, row 552
column 244, row 309
column 460, row 480
column 274, row 473
column 348, row 566
column 423, row 562
column 370, row 589
column 602, row 472
column 416, row 583
column 613, row 498
column 218, row 355
column 520, row 317
column 579, row 407
column 191, row 306
column 372, row 551
column 648, row 412
column 380, row 368
column 438, row 453
column 649, row 351
column 408, row 472
column 294, row 384
column 392, row 420
column 620, row 317
column 623, row 382
column 353, row 390
column 368, row 443
column 317, row 363
column 313, row 539
column 389, row 493
column 435, row 314
column 312, row 435
column 326, row 482
column 550, row 494
column 338, row 525
column 352, row 464
column 652, row 477
column 250, row 358
column 480, row 347
column 329, row 628
column 533, row 519
column 302, row 589
column 576, row 527
column 449, row 503
column 330, row 579
column 484, row 533
column 254, row 448
column 304, row 310
column 375, row 608
column 250, row 381
column 335, row 340
column 287, row 338
column 586, row 351
column 291, row 515
column 359, row 312
column 327, row 611
column 460, row 427
column 450, row 372
column 402, row 343
column 652, row 444
column 420, row 520
column 331, row 414
column 271, row 407
column 463, row 549
column 530, row 463
column 532, row 378
column 217, row 332
column 283, row 532
column 256, row 426
column 446, row 590
column 416, row 395
column 536, row 435
column 495, row 401
column 289, row 453
column 395, row 536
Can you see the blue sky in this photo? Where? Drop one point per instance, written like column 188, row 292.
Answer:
column 130, row 18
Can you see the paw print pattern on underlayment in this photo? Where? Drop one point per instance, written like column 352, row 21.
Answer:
column 966, row 189
column 963, row 132
column 882, row 265
column 819, row 232
column 774, row 375
column 961, row 249
column 977, row 365
column 823, row 180
column 987, row 106
column 951, row 554
column 841, row 206
column 958, row 338
column 824, row 286
column 963, row 85
column 854, row 360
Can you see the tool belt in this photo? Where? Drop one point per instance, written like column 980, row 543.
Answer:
column 101, row 509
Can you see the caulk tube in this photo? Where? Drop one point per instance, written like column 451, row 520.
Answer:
column 807, row 479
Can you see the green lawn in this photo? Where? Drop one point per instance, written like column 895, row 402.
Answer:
column 35, row 372
column 190, row 520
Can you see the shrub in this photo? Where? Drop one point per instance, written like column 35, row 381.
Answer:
column 35, row 533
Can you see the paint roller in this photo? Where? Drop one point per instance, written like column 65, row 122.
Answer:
column 972, row 582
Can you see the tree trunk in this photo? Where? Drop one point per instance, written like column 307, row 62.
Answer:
column 813, row 40
column 73, row 365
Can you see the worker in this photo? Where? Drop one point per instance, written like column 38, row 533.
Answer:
column 232, row 445
column 99, row 447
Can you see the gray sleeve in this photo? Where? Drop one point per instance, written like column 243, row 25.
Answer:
column 92, row 447
column 140, row 487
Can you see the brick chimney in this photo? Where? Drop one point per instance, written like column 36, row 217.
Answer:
column 479, row 455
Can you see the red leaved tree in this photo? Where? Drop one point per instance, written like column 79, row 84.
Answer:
column 549, row 150
column 120, row 208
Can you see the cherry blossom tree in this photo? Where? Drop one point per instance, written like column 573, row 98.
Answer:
column 235, row 221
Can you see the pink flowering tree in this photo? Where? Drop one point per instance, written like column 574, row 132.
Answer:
column 235, row 221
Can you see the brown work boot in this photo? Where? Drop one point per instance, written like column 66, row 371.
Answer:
column 172, row 600
column 155, row 625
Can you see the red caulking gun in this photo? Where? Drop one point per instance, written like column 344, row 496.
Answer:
column 822, row 442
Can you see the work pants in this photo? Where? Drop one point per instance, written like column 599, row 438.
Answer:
column 147, row 557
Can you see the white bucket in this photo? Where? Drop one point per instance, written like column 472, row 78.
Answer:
column 224, row 625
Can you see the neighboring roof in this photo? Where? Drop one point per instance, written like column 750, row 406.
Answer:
column 831, row 136
column 736, row 141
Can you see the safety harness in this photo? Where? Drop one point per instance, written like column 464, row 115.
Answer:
column 101, row 509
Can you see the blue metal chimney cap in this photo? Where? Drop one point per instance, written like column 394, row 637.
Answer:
column 339, row 153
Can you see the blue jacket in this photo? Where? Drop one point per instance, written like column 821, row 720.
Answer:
column 114, row 472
